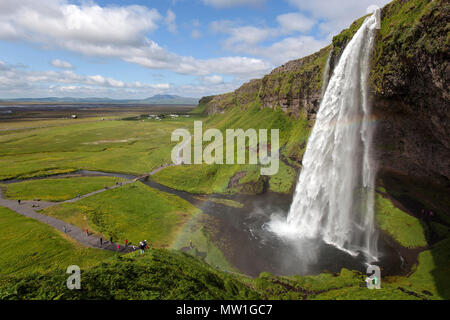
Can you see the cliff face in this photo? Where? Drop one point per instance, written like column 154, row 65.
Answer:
column 409, row 81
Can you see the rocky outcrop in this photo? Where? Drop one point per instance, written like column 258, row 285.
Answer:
column 252, row 187
column 294, row 87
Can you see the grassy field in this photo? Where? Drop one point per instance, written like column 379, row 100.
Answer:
column 134, row 212
column 56, row 189
column 27, row 245
column 116, row 146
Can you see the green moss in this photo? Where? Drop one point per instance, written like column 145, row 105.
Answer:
column 431, row 274
column 407, row 230
column 284, row 180
column 408, row 30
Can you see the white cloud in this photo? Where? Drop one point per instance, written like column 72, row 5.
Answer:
column 241, row 37
column 331, row 16
column 170, row 21
column 292, row 22
column 213, row 79
column 337, row 14
column 18, row 81
column 247, row 35
column 248, row 39
column 14, row 81
column 196, row 34
column 289, row 49
column 116, row 32
column 61, row 64
column 232, row 3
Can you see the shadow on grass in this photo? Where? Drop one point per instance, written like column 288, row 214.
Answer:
column 413, row 195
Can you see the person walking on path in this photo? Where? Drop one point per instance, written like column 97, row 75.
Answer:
column 18, row 201
column 79, row 196
column 65, row 230
column 87, row 233
column 126, row 242
column 118, row 247
column 101, row 241
column 110, row 239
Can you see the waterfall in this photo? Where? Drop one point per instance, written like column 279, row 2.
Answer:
column 326, row 74
column 334, row 197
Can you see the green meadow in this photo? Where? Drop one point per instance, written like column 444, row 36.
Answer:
column 134, row 147
column 56, row 189
column 134, row 212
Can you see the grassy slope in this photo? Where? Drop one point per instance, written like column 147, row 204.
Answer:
column 215, row 178
column 56, row 189
column 134, row 212
column 407, row 230
column 162, row 274
column 159, row 274
column 27, row 245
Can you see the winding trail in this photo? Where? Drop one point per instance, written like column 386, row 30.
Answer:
column 28, row 208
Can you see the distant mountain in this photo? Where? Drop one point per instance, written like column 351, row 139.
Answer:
column 156, row 99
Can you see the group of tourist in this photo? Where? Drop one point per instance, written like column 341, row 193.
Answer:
column 426, row 215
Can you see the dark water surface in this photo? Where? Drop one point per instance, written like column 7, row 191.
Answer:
column 252, row 249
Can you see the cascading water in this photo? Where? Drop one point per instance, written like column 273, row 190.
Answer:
column 334, row 197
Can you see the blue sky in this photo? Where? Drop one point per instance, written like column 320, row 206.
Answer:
column 138, row 48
